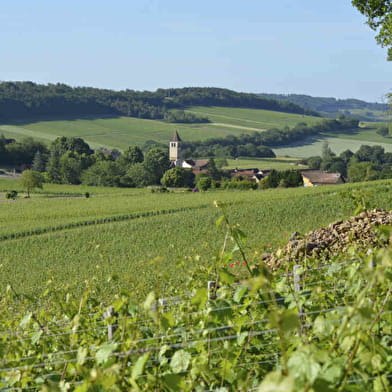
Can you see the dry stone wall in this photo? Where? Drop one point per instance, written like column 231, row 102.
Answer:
column 336, row 238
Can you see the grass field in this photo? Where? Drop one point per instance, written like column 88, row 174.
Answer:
column 338, row 142
column 136, row 240
column 252, row 118
column 279, row 163
column 120, row 132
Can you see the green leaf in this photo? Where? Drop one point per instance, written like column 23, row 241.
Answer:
column 226, row 277
column 219, row 220
column 24, row 323
column 104, row 352
column 200, row 298
column 147, row 304
column 35, row 338
column 173, row 381
column 180, row 361
column 332, row 373
column 167, row 320
column 290, row 320
column 287, row 319
column 239, row 293
column 13, row 377
column 138, row 367
column 82, row 354
column 303, row 367
column 242, row 338
column 276, row 382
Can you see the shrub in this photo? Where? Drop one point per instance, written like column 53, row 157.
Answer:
column 11, row 195
column 241, row 185
column 204, row 183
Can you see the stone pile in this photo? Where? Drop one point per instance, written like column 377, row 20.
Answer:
column 333, row 239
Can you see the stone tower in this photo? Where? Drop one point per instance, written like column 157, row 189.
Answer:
column 175, row 150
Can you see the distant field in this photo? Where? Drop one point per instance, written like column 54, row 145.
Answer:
column 252, row 118
column 338, row 142
column 120, row 132
column 337, row 145
column 279, row 163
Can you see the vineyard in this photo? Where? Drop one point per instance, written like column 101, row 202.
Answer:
column 131, row 290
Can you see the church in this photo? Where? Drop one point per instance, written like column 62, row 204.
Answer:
column 197, row 165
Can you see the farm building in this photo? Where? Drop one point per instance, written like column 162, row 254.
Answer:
column 319, row 177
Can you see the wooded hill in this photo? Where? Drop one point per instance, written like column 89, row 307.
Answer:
column 331, row 107
column 26, row 99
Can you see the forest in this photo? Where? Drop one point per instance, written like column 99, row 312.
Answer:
column 20, row 100
column 328, row 105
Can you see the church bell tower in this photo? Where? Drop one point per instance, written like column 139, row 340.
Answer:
column 175, row 150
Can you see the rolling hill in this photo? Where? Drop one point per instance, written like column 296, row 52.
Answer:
column 120, row 132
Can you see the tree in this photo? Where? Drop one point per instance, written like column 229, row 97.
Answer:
column 273, row 179
column 314, row 162
column 204, row 183
column 213, row 171
column 71, row 168
column 132, row 155
column 178, row 177
column 156, row 162
column 75, row 144
column 31, row 179
column 38, row 162
column 379, row 18
column 362, row 171
column 326, row 152
column 102, row 173
column 139, row 175
column 53, row 167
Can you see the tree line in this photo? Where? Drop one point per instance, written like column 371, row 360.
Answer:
column 20, row 100
column 257, row 144
column 327, row 105
column 368, row 163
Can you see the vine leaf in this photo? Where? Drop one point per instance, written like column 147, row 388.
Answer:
column 276, row 382
column 180, row 361
column 104, row 352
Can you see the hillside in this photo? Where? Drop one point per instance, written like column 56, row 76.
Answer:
column 120, row 132
column 338, row 142
column 331, row 107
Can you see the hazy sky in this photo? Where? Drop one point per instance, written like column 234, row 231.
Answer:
column 314, row 47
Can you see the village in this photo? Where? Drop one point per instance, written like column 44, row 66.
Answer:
column 310, row 177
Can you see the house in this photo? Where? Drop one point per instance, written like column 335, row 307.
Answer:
column 313, row 177
column 253, row 175
column 197, row 165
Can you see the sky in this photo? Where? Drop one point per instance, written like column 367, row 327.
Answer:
column 314, row 47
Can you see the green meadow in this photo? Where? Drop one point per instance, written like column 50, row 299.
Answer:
column 252, row 118
column 120, row 132
column 312, row 147
column 278, row 163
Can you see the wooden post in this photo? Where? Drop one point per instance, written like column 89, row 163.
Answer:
column 211, row 289
column 111, row 327
column 297, row 289
column 297, row 278
column 162, row 303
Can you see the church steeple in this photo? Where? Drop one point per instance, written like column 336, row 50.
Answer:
column 175, row 149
